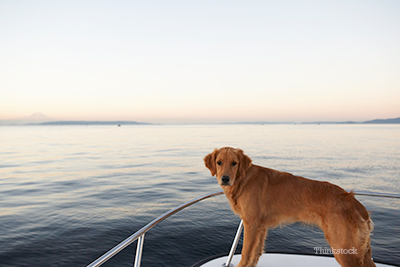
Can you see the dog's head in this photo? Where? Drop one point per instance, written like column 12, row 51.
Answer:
column 228, row 164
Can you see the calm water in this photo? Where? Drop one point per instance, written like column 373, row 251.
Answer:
column 70, row 193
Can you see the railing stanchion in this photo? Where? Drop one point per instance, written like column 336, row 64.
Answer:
column 234, row 244
column 139, row 249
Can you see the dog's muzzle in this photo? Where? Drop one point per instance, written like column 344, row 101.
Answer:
column 225, row 179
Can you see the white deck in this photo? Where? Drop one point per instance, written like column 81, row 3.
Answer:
column 285, row 260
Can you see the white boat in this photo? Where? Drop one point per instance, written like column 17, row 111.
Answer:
column 267, row 259
column 281, row 260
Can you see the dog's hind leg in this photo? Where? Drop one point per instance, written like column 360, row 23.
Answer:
column 350, row 246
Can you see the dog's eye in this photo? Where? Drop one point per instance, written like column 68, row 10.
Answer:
column 219, row 163
column 234, row 163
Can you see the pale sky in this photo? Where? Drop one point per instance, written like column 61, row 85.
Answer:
column 200, row 61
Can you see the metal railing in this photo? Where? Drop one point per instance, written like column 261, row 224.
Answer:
column 240, row 228
column 375, row 194
column 139, row 235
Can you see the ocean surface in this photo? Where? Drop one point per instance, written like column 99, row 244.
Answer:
column 68, row 194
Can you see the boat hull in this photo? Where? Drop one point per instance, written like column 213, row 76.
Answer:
column 282, row 260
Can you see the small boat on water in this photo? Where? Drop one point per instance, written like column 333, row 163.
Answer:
column 267, row 259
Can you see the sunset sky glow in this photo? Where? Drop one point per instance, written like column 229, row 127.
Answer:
column 200, row 61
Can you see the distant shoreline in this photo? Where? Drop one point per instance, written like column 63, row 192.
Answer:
column 92, row 123
column 121, row 123
column 378, row 121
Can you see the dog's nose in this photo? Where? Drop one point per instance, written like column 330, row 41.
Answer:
column 225, row 179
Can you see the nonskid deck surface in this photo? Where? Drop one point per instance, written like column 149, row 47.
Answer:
column 284, row 260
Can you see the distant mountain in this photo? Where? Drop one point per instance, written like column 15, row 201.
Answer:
column 119, row 123
column 37, row 116
column 387, row 121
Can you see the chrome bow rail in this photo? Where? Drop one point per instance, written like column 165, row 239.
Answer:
column 139, row 235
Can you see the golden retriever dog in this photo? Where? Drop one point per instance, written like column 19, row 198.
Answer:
column 266, row 198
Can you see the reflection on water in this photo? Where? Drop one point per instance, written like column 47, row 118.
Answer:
column 70, row 193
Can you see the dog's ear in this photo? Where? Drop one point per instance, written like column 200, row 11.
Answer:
column 209, row 161
column 244, row 162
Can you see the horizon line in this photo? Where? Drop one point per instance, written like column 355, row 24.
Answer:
column 50, row 122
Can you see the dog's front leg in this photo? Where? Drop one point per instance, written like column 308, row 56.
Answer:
column 253, row 243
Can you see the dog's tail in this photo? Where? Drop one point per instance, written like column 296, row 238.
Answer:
column 365, row 226
column 365, row 240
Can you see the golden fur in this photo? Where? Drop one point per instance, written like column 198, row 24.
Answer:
column 266, row 198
